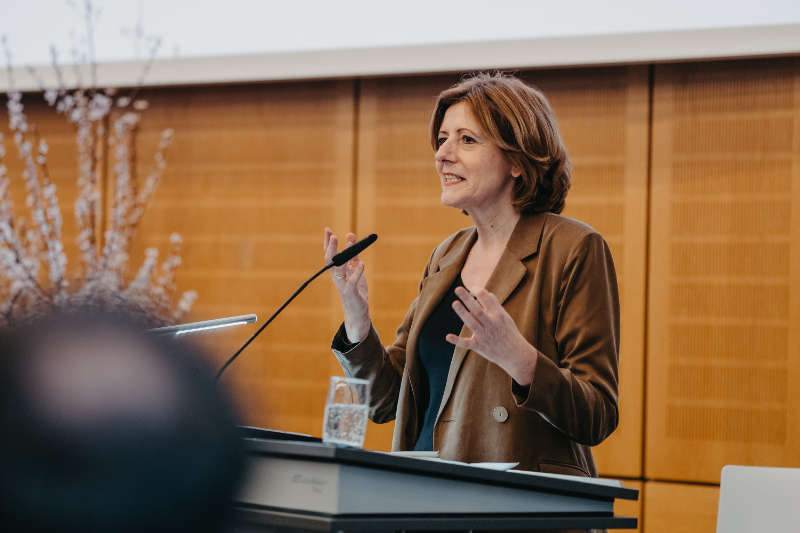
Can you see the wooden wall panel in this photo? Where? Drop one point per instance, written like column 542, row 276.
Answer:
column 255, row 174
column 398, row 195
column 679, row 508
column 631, row 508
column 603, row 115
column 724, row 297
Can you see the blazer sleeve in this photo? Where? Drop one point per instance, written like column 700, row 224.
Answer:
column 382, row 366
column 578, row 395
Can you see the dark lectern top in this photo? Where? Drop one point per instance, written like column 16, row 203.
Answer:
column 253, row 432
column 323, row 452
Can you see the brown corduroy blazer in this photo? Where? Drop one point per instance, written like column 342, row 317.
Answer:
column 556, row 278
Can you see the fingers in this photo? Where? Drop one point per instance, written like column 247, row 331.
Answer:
column 350, row 239
column 487, row 300
column 464, row 342
column 330, row 248
column 355, row 275
column 330, row 244
column 468, row 318
column 477, row 308
column 346, row 277
column 469, row 301
column 327, row 239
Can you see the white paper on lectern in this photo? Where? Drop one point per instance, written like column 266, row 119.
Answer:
column 595, row 480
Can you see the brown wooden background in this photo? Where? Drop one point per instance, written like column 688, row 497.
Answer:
column 690, row 171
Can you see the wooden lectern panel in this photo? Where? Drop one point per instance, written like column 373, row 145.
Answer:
column 724, row 293
column 255, row 174
column 603, row 117
column 679, row 508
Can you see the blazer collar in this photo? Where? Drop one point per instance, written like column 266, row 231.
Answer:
column 456, row 256
column 527, row 236
column 524, row 242
column 510, row 269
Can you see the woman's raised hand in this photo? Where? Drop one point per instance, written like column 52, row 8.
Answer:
column 352, row 285
column 495, row 336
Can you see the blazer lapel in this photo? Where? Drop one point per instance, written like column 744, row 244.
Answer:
column 506, row 276
column 433, row 289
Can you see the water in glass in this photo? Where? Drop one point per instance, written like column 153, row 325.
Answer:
column 346, row 411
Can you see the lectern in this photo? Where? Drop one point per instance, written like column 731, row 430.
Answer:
column 297, row 486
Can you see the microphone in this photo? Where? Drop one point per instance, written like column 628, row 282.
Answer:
column 337, row 260
column 351, row 251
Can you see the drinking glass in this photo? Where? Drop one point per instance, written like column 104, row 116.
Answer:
column 346, row 411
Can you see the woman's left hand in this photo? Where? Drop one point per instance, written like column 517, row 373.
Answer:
column 495, row 336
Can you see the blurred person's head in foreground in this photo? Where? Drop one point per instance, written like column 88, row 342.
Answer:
column 109, row 428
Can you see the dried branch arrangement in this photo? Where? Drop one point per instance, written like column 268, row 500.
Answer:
column 33, row 266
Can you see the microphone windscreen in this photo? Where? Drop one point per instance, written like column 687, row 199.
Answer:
column 351, row 251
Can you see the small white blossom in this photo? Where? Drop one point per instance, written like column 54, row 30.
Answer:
column 25, row 149
column 65, row 104
column 76, row 114
column 99, row 106
column 51, row 95
column 185, row 304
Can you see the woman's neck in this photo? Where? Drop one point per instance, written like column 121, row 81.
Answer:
column 495, row 227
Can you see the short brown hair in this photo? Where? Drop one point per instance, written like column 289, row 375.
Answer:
column 518, row 118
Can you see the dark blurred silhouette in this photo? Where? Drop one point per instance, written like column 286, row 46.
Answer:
column 106, row 428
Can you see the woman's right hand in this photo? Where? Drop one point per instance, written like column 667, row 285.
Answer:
column 352, row 285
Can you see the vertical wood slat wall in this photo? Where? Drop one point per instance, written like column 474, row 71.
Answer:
column 257, row 171
column 255, row 174
column 678, row 508
column 629, row 507
column 724, row 309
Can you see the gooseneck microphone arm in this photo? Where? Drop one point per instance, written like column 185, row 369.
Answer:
column 337, row 260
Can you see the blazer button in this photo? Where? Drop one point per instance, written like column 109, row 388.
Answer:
column 500, row 414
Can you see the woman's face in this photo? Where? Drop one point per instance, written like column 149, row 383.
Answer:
column 475, row 174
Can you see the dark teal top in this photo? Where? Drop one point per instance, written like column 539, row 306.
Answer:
column 435, row 355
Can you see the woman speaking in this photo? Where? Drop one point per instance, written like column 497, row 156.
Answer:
column 509, row 353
